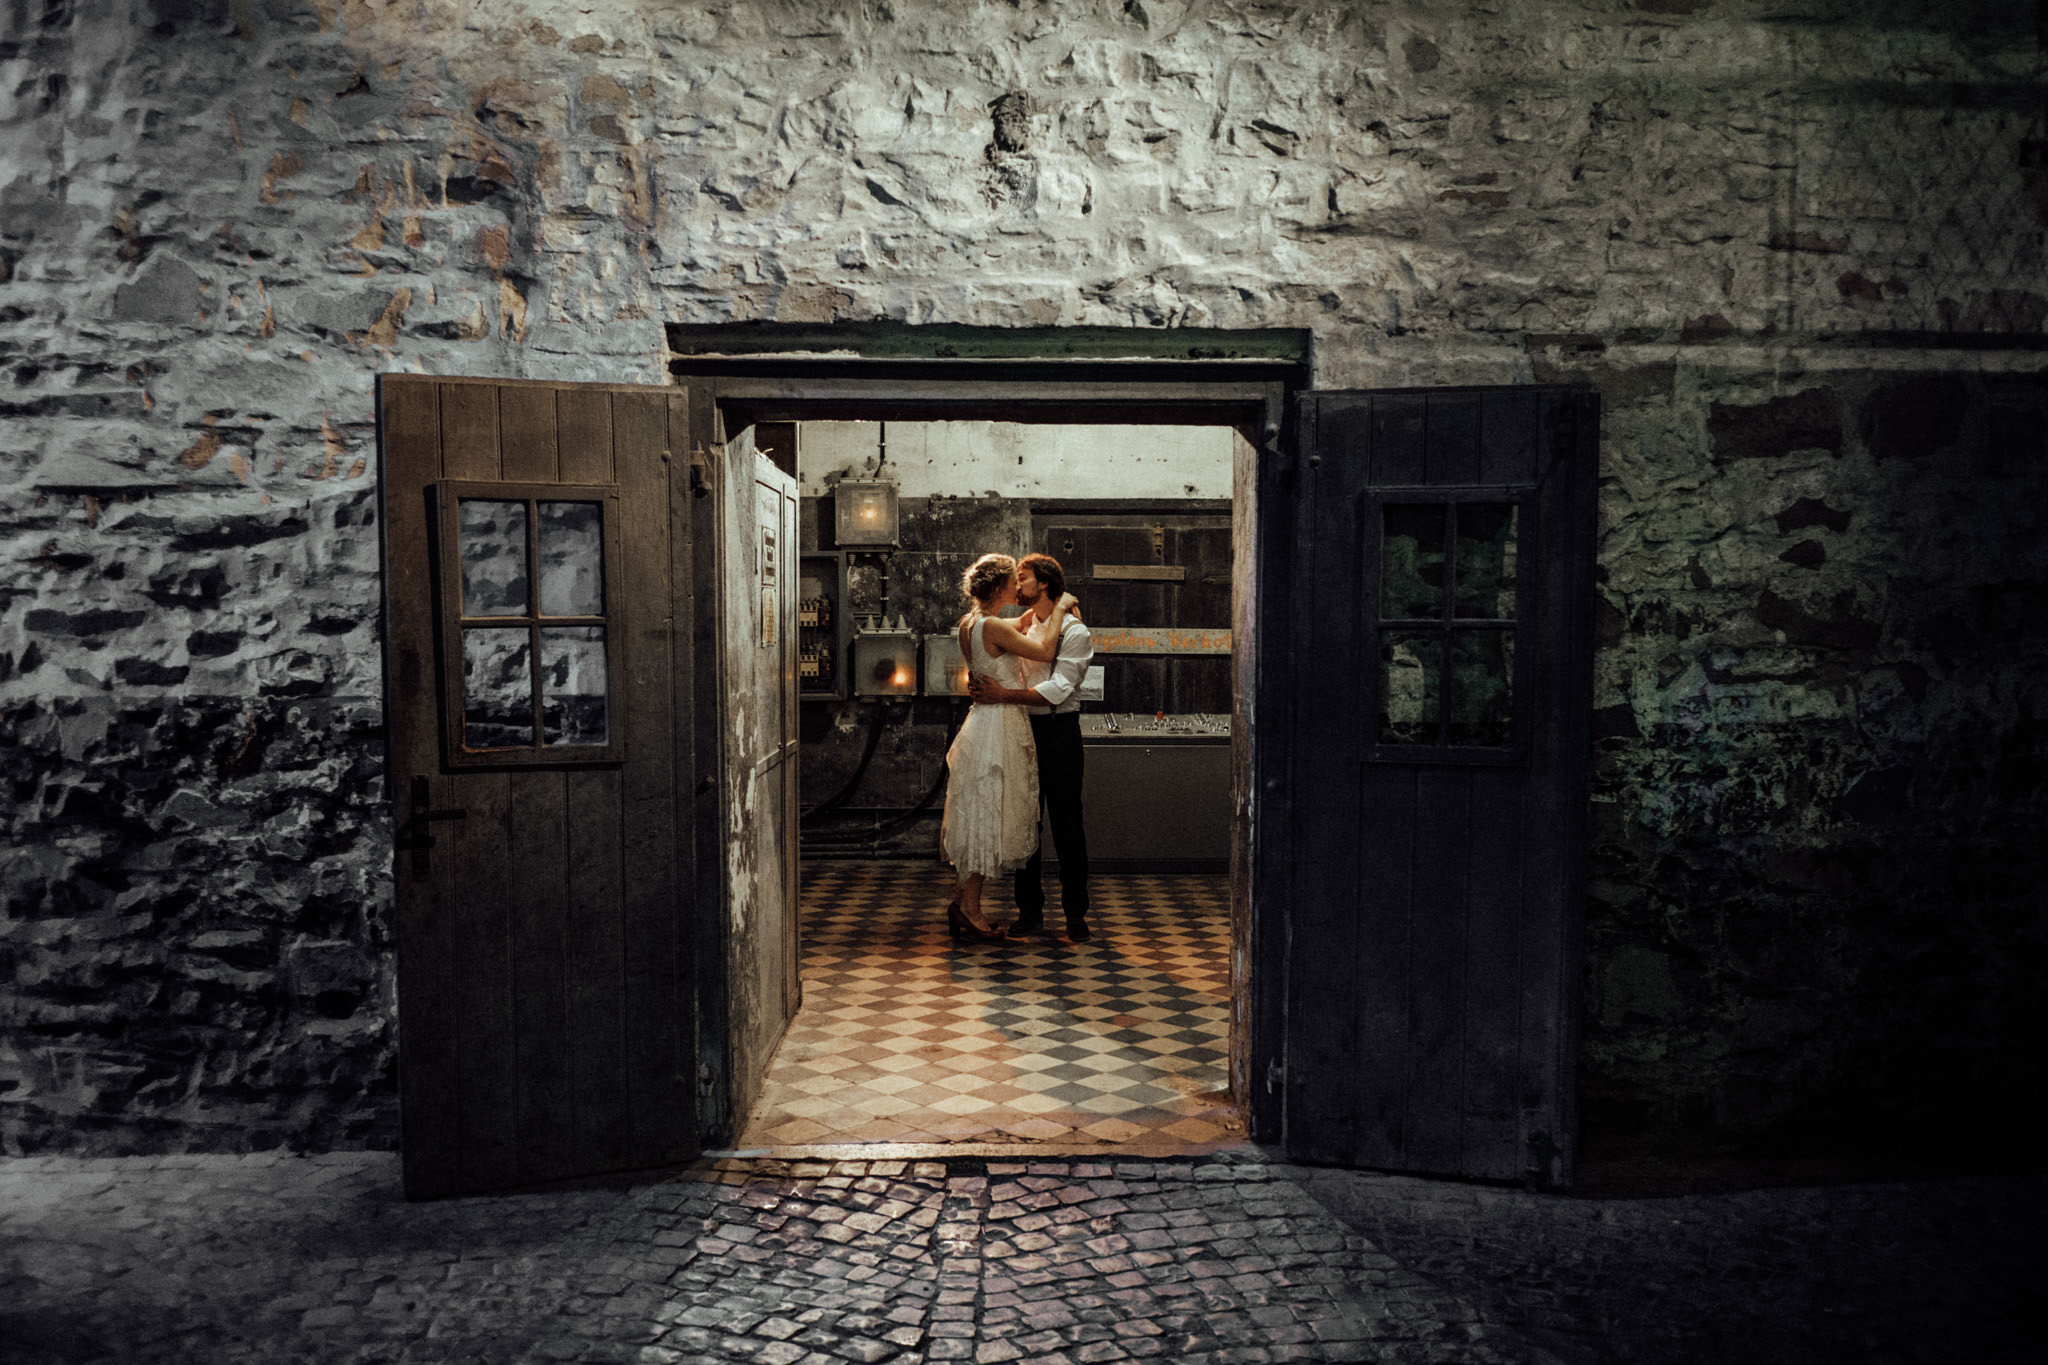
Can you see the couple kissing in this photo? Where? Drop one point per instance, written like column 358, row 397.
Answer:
column 1019, row 750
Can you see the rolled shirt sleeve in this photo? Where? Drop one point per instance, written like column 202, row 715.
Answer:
column 1069, row 666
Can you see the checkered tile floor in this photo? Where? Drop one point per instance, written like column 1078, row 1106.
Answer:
column 908, row 1037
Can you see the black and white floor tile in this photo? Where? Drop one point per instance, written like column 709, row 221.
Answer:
column 906, row 1036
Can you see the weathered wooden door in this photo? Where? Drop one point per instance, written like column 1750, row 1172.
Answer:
column 1423, row 816
column 541, row 685
column 757, row 664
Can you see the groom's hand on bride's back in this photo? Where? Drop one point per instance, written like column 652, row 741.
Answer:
column 980, row 688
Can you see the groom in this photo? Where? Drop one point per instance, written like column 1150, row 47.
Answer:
column 1055, row 713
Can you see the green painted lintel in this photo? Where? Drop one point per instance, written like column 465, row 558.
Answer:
column 946, row 341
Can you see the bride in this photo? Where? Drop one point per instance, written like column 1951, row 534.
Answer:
column 991, row 820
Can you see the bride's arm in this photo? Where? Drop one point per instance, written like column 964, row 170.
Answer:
column 1040, row 645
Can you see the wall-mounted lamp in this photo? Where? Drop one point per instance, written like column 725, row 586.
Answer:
column 865, row 515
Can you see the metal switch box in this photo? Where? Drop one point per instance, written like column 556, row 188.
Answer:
column 885, row 664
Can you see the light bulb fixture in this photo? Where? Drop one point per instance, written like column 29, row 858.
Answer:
column 864, row 515
column 885, row 664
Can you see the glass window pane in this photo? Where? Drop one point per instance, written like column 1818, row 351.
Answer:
column 493, row 557
column 574, row 708
column 1485, row 584
column 1482, row 687
column 497, row 688
column 571, row 559
column 1412, row 560
column 1409, row 671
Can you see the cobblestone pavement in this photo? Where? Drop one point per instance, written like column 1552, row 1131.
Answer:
column 1228, row 1258
column 1874, row 1272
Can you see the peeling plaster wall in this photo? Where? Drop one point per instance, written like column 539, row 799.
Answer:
column 1761, row 229
column 1015, row 460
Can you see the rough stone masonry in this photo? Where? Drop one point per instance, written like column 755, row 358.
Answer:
column 1797, row 245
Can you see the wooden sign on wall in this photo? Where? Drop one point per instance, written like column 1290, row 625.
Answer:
column 1149, row 573
column 1159, row 640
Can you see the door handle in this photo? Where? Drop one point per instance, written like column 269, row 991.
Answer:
column 413, row 835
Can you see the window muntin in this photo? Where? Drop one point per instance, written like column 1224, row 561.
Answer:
column 1446, row 570
column 529, row 608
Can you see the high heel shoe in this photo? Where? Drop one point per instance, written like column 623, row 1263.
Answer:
column 960, row 926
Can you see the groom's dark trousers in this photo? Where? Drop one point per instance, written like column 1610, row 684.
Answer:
column 1058, row 739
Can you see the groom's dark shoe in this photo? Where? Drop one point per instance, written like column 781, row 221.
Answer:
column 1027, row 924
column 1077, row 930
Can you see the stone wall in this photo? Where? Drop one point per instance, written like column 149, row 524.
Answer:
column 1798, row 245
column 1822, row 718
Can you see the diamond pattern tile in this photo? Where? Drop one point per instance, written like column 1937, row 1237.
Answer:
column 908, row 1037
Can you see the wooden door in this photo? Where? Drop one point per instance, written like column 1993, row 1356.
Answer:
column 758, row 737
column 1425, row 822
column 541, row 701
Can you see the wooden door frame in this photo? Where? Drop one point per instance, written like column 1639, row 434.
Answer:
column 1252, row 396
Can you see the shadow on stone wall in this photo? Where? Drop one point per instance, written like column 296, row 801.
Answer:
column 197, row 946
column 1817, row 838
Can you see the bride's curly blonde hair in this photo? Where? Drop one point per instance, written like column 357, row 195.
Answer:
column 985, row 577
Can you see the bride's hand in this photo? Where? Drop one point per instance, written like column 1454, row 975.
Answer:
column 1070, row 604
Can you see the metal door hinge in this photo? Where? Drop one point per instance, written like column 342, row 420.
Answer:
column 1276, row 1076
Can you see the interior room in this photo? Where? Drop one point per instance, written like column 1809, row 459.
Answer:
column 904, row 1034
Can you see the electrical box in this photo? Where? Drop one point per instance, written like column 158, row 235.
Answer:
column 945, row 672
column 864, row 515
column 885, row 662
column 823, row 628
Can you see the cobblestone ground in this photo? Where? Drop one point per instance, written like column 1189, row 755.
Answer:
column 319, row 1259
column 1229, row 1258
column 1871, row 1273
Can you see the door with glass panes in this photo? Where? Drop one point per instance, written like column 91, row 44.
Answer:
column 1423, row 776
column 548, row 736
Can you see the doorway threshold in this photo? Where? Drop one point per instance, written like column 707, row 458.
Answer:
column 1155, row 1149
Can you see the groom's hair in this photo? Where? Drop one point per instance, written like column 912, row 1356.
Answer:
column 1047, row 571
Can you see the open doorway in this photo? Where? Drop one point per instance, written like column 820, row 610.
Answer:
column 596, row 927
column 1121, row 1042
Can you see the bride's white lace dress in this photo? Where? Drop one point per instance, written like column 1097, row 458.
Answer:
column 991, row 821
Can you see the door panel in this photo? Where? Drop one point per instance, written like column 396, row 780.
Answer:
column 656, row 692
column 1433, row 748
column 759, row 736
column 546, row 994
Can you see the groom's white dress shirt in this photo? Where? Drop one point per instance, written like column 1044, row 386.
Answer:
column 1062, row 681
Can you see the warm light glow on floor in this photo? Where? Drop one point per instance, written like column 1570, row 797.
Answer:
column 908, row 1037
